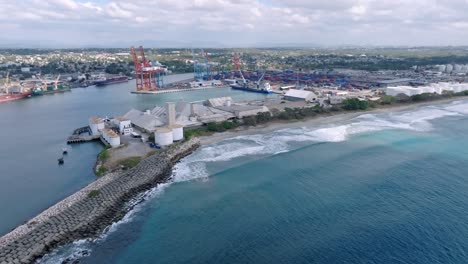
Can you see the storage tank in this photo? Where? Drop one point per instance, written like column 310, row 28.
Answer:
column 177, row 132
column 163, row 136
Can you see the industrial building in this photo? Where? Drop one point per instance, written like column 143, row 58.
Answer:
column 437, row 88
column 300, row 95
column 387, row 83
column 144, row 121
column 240, row 111
column 191, row 114
column 124, row 125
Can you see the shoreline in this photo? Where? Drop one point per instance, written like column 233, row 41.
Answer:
column 320, row 119
column 44, row 232
column 89, row 211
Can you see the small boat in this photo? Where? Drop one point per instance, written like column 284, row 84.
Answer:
column 64, row 151
column 60, row 161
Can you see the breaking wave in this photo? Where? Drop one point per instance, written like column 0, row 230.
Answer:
column 195, row 165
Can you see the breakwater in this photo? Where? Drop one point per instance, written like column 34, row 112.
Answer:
column 89, row 211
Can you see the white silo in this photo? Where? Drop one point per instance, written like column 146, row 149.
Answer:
column 177, row 132
column 442, row 68
column 163, row 136
column 171, row 113
column 457, row 68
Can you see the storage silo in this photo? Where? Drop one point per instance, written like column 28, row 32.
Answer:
column 177, row 132
column 163, row 136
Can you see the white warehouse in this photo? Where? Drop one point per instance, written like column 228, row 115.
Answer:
column 124, row 125
column 438, row 88
column 300, row 95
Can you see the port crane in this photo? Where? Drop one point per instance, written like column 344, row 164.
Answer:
column 197, row 67
column 7, row 83
column 56, row 82
column 147, row 76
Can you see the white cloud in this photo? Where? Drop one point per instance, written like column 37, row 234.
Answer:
column 238, row 22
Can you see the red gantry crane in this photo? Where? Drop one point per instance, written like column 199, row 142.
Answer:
column 147, row 76
column 236, row 61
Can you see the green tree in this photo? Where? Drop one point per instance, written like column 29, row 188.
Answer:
column 387, row 99
column 249, row 120
column 355, row 104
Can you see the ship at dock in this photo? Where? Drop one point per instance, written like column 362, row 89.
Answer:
column 256, row 87
column 50, row 87
column 110, row 80
column 11, row 92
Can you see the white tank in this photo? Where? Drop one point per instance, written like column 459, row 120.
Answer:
column 163, row 136
column 177, row 132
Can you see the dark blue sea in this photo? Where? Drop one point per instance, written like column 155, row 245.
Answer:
column 378, row 188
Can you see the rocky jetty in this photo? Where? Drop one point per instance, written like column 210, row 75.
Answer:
column 89, row 211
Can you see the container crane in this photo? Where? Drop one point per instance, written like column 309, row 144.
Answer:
column 7, row 83
column 197, row 69
column 147, row 76
column 206, row 60
column 56, row 82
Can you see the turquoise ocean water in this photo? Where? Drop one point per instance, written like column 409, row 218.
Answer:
column 378, row 188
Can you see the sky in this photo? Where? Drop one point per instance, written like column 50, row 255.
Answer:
column 232, row 23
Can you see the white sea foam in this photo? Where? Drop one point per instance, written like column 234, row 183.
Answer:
column 460, row 107
column 82, row 248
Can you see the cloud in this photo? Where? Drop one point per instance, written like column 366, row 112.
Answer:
column 236, row 22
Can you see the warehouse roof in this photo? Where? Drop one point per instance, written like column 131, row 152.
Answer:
column 298, row 93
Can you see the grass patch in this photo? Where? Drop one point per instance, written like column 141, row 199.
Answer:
column 101, row 171
column 103, row 155
column 93, row 193
column 189, row 133
column 130, row 162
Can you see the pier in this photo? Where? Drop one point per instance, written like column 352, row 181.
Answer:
column 73, row 139
column 80, row 135
column 177, row 90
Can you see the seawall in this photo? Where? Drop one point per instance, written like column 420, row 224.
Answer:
column 82, row 215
